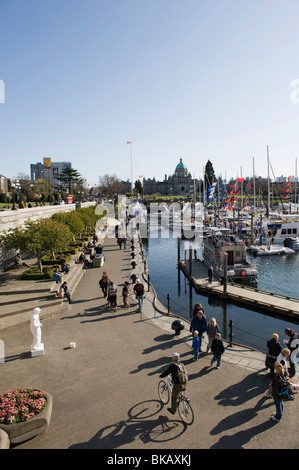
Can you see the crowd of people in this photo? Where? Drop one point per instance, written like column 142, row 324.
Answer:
column 279, row 360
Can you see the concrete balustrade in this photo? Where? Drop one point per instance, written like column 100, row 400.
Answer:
column 11, row 219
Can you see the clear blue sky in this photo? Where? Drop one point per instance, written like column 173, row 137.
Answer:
column 193, row 79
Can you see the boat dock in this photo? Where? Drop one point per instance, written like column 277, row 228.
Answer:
column 268, row 303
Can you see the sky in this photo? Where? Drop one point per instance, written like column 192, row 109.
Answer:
column 199, row 80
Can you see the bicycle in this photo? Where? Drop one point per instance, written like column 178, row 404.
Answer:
column 184, row 408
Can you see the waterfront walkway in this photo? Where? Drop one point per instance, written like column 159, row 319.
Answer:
column 105, row 390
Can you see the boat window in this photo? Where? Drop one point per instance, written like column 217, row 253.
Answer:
column 294, row 230
column 289, row 231
column 283, row 231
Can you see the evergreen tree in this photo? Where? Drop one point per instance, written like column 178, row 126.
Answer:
column 69, row 177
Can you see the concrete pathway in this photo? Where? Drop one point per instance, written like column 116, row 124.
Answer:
column 105, row 390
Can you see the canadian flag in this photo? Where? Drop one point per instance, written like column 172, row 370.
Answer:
column 129, row 142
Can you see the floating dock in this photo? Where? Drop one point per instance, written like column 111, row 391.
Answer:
column 271, row 304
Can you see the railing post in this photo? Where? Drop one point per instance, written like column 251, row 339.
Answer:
column 231, row 324
column 168, row 303
column 148, row 282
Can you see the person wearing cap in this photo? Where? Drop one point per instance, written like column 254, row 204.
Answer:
column 274, row 349
column 177, row 386
column 292, row 344
column 139, row 293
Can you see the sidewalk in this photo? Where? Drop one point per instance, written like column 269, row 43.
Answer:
column 105, row 390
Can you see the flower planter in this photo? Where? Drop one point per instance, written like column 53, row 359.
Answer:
column 20, row 432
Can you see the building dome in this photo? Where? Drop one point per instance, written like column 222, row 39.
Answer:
column 181, row 165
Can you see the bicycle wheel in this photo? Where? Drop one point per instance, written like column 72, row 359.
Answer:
column 185, row 411
column 163, row 392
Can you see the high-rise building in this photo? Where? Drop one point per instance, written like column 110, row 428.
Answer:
column 48, row 170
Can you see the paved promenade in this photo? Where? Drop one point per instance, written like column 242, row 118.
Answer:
column 105, row 390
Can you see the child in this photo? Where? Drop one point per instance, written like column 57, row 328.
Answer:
column 217, row 349
column 195, row 345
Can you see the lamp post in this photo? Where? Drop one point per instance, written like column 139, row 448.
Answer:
column 15, row 187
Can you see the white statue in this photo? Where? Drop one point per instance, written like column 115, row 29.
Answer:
column 36, row 329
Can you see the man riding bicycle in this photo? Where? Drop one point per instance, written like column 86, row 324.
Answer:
column 177, row 386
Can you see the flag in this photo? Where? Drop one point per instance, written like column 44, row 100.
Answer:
column 129, row 142
column 231, row 192
column 238, row 190
column 240, row 180
column 287, row 191
column 250, row 184
column 232, row 186
column 141, row 176
column 288, row 184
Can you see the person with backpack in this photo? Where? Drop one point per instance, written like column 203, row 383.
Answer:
column 276, row 385
column 104, row 283
column 139, row 294
column 179, row 377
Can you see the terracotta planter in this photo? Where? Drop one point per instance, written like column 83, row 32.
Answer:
column 20, row 432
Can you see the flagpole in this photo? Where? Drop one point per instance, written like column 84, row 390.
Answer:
column 253, row 184
column 130, row 143
column 268, row 182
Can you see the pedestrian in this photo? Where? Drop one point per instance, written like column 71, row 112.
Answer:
column 125, row 293
column 104, row 283
column 210, row 274
column 57, row 276
column 139, row 294
column 65, row 267
column 195, row 345
column 125, row 243
column 177, row 385
column 67, row 292
column 120, row 242
column 197, row 307
column 199, row 323
column 217, row 349
column 276, row 386
column 112, row 295
column 292, row 345
column 274, row 350
column 212, row 329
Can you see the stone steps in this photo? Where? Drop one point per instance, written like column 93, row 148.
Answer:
column 16, row 304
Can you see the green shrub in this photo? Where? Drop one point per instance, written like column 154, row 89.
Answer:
column 34, row 274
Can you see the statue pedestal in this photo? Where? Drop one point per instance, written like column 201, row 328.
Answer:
column 39, row 351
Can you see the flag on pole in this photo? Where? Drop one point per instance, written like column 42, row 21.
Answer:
column 129, row 142
column 141, row 176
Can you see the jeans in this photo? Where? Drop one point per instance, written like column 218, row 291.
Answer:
column 279, row 408
column 195, row 354
column 140, row 302
column 216, row 357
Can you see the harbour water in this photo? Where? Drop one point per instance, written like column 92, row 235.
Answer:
column 277, row 274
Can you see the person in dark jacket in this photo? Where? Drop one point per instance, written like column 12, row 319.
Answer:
column 177, row 386
column 199, row 323
column 292, row 345
column 274, row 349
column 217, row 349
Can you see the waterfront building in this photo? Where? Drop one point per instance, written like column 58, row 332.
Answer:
column 180, row 183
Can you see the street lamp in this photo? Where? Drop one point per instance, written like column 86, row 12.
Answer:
column 15, row 187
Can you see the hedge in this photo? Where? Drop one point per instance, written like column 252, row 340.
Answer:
column 33, row 273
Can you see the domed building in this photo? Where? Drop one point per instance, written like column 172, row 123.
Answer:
column 180, row 183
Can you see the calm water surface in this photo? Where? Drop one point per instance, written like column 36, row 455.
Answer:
column 277, row 274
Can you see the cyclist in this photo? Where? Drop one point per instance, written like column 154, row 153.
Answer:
column 177, row 386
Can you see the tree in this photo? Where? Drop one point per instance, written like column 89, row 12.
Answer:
column 110, row 185
column 210, row 177
column 46, row 236
column 69, row 177
column 72, row 220
column 139, row 187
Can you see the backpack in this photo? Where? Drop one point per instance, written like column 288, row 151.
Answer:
column 284, row 391
column 182, row 374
